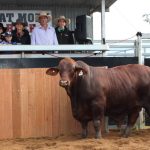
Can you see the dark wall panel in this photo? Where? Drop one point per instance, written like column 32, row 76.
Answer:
column 147, row 61
column 51, row 62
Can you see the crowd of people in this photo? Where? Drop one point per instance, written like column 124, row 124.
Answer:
column 44, row 34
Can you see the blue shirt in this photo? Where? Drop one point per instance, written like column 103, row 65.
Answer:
column 40, row 36
column 8, row 43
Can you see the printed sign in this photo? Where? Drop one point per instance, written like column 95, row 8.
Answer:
column 7, row 17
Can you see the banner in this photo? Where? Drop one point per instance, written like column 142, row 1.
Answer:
column 7, row 17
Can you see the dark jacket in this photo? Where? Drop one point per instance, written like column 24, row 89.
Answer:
column 65, row 36
column 25, row 39
column 1, row 38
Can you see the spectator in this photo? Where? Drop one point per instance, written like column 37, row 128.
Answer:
column 64, row 35
column 8, row 38
column 44, row 34
column 2, row 30
column 20, row 34
column 8, row 41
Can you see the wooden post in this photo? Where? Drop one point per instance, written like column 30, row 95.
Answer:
column 102, row 21
column 140, row 121
column 139, row 48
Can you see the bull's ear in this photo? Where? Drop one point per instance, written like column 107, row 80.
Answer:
column 52, row 71
column 81, row 68
column 80, row 71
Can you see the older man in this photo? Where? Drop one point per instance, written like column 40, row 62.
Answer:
column 44, row 34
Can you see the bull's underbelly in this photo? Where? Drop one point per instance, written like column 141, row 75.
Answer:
column 86, row 115
column 120, row 108
column 116, row 113
column 120, row 111
column 115, row 110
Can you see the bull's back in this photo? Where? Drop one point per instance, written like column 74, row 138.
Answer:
column 125, row 87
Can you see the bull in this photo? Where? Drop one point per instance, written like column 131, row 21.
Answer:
column 97, row 91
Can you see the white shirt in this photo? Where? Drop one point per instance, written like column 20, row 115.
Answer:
column 40, row 36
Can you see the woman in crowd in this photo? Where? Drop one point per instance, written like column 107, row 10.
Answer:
column 2, row 30
column 20, row 35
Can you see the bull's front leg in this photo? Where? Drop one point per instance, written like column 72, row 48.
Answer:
column 84, row 125
column 98, row 115
column 97, row 127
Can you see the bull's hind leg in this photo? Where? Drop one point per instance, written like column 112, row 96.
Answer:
column 84, row 129
column 132, row 117
column 145, row 102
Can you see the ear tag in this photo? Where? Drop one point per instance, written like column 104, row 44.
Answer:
column 80, row 73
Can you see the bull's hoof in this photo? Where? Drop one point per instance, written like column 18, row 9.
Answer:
column 127, row 132
column 125, row 135
column 98, row 136
column 84, row 135
column 122, row 132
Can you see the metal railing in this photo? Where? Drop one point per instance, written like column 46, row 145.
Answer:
column 32, row 51
column 113, row 48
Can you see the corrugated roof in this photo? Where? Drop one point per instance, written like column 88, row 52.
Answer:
column 88, row 4
column 68, row 8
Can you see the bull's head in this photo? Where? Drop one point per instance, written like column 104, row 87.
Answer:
column 68, row 70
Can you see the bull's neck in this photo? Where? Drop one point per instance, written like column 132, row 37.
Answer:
column 68, row 90
column 72, row 89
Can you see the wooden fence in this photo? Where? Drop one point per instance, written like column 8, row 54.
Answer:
column 33, row 105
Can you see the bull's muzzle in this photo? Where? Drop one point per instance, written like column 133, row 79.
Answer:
column 63, row 83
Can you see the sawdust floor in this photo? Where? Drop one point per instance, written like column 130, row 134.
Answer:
column 139, row 140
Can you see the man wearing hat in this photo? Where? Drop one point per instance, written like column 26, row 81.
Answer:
column 44, row 34
column 64, row 36
column 20, row 34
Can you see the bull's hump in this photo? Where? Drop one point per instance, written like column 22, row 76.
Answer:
column 68, row 60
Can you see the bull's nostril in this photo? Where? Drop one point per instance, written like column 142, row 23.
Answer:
column 63, row 83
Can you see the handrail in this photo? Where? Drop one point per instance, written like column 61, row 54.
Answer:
column 92, row 47
column 126, row 49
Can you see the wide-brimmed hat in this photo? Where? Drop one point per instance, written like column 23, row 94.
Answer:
column 7, row 34
column 19, row 21
column 4, row 28
column 44, row 13
column 67, row 20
